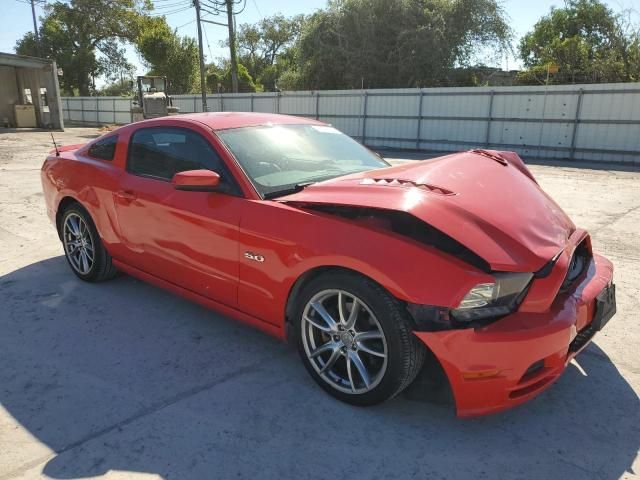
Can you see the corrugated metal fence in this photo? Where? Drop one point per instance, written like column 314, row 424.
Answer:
column 577, row 122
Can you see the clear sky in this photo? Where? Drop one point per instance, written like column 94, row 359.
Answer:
column 17, row 19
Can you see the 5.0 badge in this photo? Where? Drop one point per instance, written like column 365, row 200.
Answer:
column 256, row 257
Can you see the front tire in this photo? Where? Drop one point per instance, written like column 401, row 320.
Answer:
column 355, row 339
column 83, row 247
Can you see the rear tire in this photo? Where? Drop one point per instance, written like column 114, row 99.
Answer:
column 83, row 247
column 361, row 358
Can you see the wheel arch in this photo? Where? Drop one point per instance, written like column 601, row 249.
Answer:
column 308, row 275
column 432, row 374
column 304, row 278
column 63, row 204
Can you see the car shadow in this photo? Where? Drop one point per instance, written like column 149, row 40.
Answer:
column 122, row 376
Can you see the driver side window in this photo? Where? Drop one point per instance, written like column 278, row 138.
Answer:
column 161, row 152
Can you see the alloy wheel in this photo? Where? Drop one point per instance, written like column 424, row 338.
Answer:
column 344, row 342
column 78, row 243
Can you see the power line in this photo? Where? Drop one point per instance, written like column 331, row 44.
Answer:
column 257, row 8
column 207, row 39
column 185, row 24
column 192, row 21
column 244, row 5
column 165, row 6
column 220, row 6
column 214, row 13
column 178, row 10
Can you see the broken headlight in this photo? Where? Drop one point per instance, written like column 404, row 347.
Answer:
column 489, row 300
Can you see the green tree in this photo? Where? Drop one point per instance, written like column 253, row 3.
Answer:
column 261, row 47
column 119, row 88
column 393, row 43
column 219, row 79
column 86, row 37
column 164, row 52
column 587, row 42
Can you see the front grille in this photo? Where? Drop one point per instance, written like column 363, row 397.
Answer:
column 155, row 106
column 582, row 339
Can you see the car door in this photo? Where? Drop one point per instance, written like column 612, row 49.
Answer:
column 188, row 238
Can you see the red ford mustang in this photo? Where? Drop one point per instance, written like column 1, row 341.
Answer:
column 293, row 227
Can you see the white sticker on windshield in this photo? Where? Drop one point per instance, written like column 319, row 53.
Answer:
column 324, row 129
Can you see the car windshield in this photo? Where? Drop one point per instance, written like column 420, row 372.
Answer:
column 280, row 159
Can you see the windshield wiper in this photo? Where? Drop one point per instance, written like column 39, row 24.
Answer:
column 287, row 191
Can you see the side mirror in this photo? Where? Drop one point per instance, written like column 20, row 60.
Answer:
column 196, row 181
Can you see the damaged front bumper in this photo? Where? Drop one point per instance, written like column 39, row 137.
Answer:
column 508, row 362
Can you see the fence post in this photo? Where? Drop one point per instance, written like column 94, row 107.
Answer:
column 419, row 120
column 114, row 110
column 489, row 118
column 195, row 105
column 576, row 122
column 544, row 112
column 221, row 103
column 363, row 137
column 277, row 102
column 317, row 105
column 252, row 102
column 82, row 108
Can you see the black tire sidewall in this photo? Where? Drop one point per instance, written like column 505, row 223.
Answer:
column 390, row 316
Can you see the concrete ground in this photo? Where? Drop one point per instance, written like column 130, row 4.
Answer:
column 124, row 380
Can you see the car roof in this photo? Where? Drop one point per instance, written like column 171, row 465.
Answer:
column 225, row 120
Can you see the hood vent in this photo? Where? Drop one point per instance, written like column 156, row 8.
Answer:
column 492, row 155
column 396, row 182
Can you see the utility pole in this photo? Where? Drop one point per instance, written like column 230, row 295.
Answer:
column 35, row 27
column 203, row 85
column 232, row 47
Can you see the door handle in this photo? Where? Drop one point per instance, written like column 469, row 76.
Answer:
column 126, row 195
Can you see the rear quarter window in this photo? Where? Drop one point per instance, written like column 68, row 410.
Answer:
column 104, row 149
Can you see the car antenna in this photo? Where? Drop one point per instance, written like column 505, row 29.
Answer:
column 54, row 145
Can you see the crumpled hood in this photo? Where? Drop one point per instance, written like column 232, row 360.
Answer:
column 493, row 206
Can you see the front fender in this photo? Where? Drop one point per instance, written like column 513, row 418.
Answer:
column 295, row 241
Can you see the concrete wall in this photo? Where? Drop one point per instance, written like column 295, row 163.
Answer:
column 8, row 93
column 577, row 122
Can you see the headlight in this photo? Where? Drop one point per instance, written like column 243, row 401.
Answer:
column 479, row 296
column 487, row 300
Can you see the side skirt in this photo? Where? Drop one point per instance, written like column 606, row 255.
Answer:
column 205, row 302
